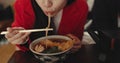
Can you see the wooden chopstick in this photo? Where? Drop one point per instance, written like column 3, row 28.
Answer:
column 32, row 30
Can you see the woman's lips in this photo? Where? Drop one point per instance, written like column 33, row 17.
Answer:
column 48, row 12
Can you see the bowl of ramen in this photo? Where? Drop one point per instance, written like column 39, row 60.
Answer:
column 51, row 49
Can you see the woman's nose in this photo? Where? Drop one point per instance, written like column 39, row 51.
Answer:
column 48, row 3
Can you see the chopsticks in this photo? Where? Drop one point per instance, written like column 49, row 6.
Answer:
column 30, row 30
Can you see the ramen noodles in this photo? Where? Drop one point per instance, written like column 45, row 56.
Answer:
column 53, row 45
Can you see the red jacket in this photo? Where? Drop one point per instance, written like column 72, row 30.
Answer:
column 73, row 17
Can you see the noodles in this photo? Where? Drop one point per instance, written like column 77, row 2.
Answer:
column 52, row 45
column 49, row 21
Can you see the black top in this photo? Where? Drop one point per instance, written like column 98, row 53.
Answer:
column 41, row 21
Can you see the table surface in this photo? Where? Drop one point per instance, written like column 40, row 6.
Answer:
column 78, row 57
column 87, row 54
column 90, row 53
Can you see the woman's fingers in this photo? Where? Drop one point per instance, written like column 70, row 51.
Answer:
column 75, row 39
column 15, row 37
column 11, row 34
column 22, row 37
column 12, row 31
column 77, row 42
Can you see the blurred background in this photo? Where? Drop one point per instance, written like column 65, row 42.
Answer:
column 6, row 3
column 6, row 18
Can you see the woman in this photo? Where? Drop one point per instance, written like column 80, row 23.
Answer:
column 68, row 18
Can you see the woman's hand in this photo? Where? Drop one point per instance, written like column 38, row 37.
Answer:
column 76, row 44
column 15, row 37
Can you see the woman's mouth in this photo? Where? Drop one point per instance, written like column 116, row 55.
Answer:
column 49, row 13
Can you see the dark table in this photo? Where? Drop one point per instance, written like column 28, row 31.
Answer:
column 108, row 43
column 112, row 39
column 92, row 53
column 87, row 54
